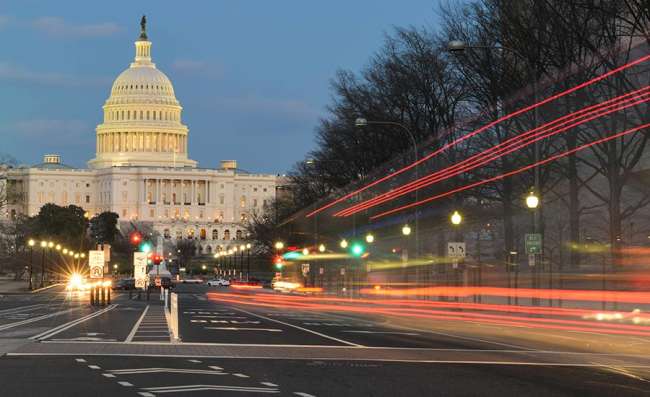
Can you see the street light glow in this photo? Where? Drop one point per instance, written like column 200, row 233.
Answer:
column 370, row 238
column 321, row 248
column 344, row 243
column 305, row 251
column 31, row 242
column 50, row 244
column 406, row 230
column 279, row 245
column 249, row 245
column 532, row 201
column 456, row 219
column 360, row 122
column 58, row 247
column 65, row 251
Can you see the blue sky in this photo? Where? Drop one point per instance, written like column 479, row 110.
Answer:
column 253, row 76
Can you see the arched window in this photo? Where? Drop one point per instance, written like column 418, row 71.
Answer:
column 208, row 249
column 190, row 233
column 166, row 233
column 238, row 235
column 215, row 234
column 202, row 234
column 226, row 234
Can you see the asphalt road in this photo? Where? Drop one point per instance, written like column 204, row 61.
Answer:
column 56, row 344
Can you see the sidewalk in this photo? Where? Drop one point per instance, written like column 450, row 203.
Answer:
column 8, row 286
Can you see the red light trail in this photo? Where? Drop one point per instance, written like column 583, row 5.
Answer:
column 511, row 173
column 508, row 146
column 482, row 129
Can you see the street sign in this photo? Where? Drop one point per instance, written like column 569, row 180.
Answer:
column 96, row 263
column 455, row 249
column 533, row 243
column 140, row 269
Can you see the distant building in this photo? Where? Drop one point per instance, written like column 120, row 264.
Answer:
column 142, row 171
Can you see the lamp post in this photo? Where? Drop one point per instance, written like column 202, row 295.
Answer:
column 532, row 202
column 31, row 243
column 241, row 262
column 456, row 219
column 248, row 261
column 362, row 122
column 43, row 246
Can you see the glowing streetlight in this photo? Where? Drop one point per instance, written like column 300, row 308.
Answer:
column 83, row 255
column 406, row 230
column 50, row 244
column 242, row 247
column 370, row 238
column 31, row 242
column 43, row 244
column 115, row 266
column 65, row 251
column 344, row 243
column 249, row 245
column 279, row 245
column 321, row 248
column 532, row 201
column 58, row 247
column 203, row 267
column 305, row 251
column 456, row 219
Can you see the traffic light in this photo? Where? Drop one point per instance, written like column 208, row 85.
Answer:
column 157, row 259
column 357, row 249
column 278, row 262
column 136, row 238
column 146, row 246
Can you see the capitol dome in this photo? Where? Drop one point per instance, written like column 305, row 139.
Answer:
column 142, row 118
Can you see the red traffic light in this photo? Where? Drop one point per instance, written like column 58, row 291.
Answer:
column 157, row 259
column 136, row 238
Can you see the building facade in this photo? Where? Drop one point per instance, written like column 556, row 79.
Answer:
column 142, row 171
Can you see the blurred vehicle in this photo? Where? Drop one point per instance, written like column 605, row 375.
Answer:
column 267, row 284
column 218, row 282
column 192, row 281
column 285, row 286
column 77, row 282
column 124, row 284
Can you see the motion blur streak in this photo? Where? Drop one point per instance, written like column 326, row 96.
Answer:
column 514, row 172
column 506, row 147
column 482, row 129
column 405, row 310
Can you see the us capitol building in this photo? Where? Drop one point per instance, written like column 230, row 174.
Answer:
column 142, row 171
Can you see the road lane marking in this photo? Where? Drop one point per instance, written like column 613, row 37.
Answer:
column 35, row 319
column 195, row 361
column 214, row 367
column 302, row 394
column 129, row 338
column 56, row 330
column 108, row 375
column 269, row 384
column 80, row 360
column 134, row 371
column 189, row 388
column 19, row 309
column 125, row 384
column 94, row 367
column 241, row 376
column 145, row 394
column 300, row 328
column 382, row 332
column 244, row 329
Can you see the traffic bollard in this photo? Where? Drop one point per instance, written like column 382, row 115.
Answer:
column 108, row 292
column 103, row 296
column 92, row 296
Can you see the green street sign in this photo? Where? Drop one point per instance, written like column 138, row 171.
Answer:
column 533, row 243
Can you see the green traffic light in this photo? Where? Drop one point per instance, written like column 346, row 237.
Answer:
column 145, row 247
column 357, row 249
column 278, row 266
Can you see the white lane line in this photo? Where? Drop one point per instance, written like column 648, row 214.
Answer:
column 241, row 376
column 56, row 330
column 34, row 319
column 94, row 367
column 244, row 329
column 269, row 384
column 80, row 360
column 302, row 394
column 19, row 309
column 382, row 332
column 108, row 375
column 165, row 370
column 214, row 367
column 145, row 394
column 125, row 384
column 195, row 361
column 189, row 388
column 300, row 328
column 129, row 338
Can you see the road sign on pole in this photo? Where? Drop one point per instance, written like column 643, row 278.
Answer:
column 533, row 243
column 456, row 249
column 96, row 263
column 140, row 269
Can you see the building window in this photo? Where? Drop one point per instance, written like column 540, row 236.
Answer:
column 203, row 234
column 243, row 217
column 200, row 214
column 179, row 234
column 190, row 233
column 242, row 201
column 87, row 198
column 125, row 196
column 177, row 212
column 124, row 213
column 152, row 213
column 215, row 234
column 166, row 233
column 226, row 234
column 254, row 202
column 238, row 235
column 41, row 197
column 221, row 199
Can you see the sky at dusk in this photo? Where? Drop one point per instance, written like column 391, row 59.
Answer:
column 252, row 76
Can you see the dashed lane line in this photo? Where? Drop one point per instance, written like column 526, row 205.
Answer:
column 269, row 384
column 125, row 384
column 303, row 394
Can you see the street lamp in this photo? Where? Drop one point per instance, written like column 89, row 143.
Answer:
column 344, row 243
column 532, row 201
column 406, row 230
column 31, row 244
column 456, row 218
column 321, row 248
column 279, row 245
column 370, row 238
column 305, row 251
